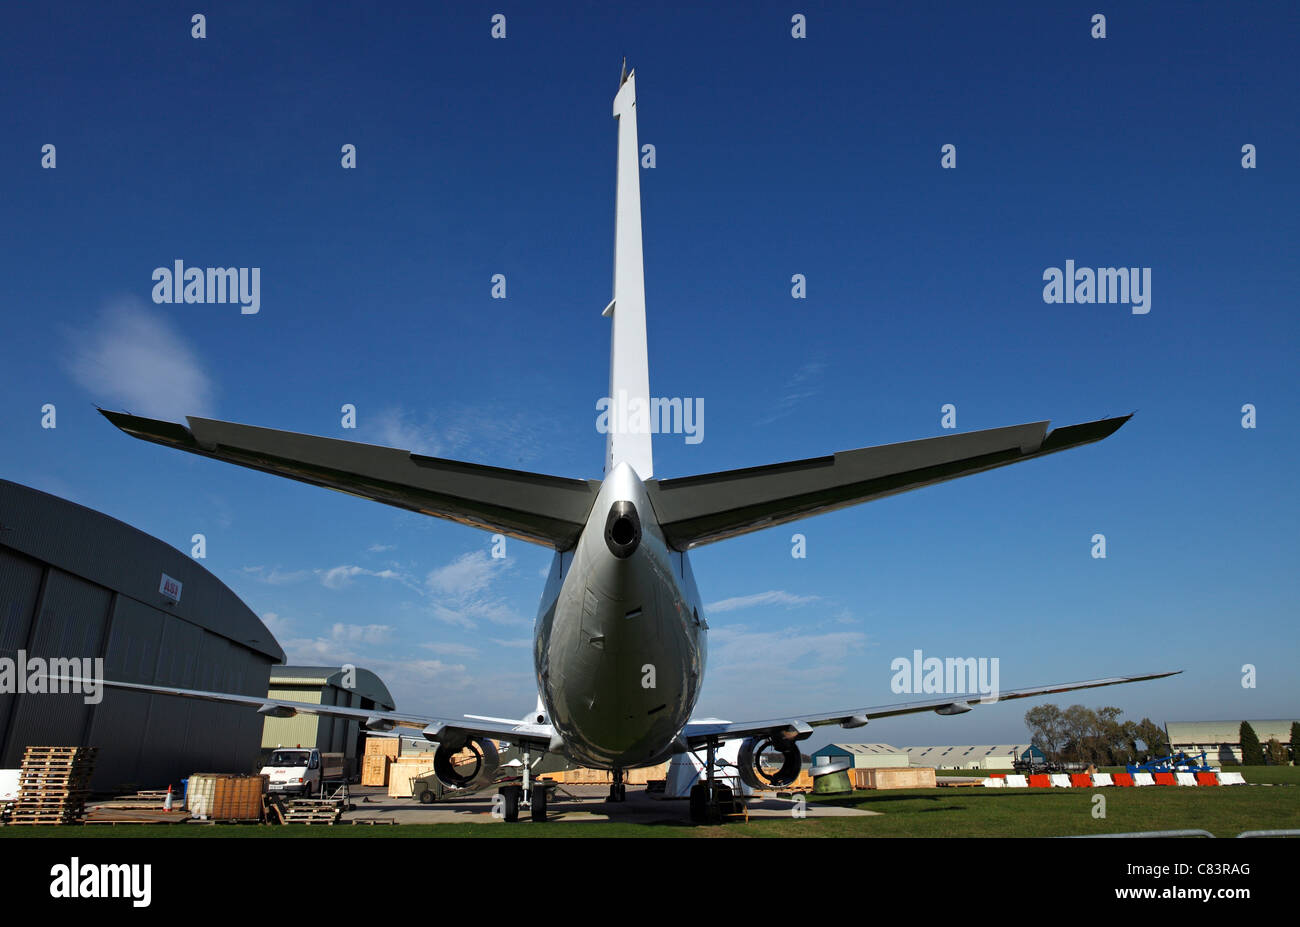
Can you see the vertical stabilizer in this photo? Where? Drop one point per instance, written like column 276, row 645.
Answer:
column 629, row 369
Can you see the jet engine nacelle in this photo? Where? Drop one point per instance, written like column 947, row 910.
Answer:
column 757, row 774
column 469, row 763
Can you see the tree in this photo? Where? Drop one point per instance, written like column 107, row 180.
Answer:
column 1080, row 725
column 1045, row 731
column 1153, row 738
column 1295, row 743
column 1252, row 754
column 1276, row 753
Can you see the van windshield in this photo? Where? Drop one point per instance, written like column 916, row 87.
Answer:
column 289, row 758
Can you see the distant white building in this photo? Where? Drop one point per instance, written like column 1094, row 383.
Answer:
column 862, row 756
column 990, row 756
column 1221, row 740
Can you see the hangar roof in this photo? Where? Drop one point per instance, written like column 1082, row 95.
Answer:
column 963, row 754
column 1224, row 732
column 366, row 684
column 859, row 749
column 112, row 554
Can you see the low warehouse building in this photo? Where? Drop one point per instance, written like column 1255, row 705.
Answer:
column 861, row 756
column 1221, row 740
column 347, row 687
column 994, row 756
column 76, row 584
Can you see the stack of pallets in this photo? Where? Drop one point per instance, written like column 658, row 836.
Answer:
column 312, row 811
column 53, row 785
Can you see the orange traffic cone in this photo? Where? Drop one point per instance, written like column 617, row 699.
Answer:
column 167, row 802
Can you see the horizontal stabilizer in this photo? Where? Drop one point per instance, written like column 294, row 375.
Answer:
column 548, row 510
column 698, row 510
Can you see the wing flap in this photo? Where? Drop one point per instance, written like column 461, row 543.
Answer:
column 534, row 507
column 702, row 509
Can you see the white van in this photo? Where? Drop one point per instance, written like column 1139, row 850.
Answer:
column 301, row 769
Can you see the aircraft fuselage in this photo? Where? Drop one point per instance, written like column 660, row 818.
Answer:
column 619, row 645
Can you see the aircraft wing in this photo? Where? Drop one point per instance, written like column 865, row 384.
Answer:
column 535, row 736
column 548, row 510
column 698, row 510
column 797, row 727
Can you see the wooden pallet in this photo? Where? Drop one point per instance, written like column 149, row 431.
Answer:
column 311, row 811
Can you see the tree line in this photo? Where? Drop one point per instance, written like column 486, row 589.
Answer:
column 1081, row 735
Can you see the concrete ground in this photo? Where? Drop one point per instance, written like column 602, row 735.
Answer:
column 574, row 803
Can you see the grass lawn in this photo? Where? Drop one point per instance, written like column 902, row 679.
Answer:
column 942, row 812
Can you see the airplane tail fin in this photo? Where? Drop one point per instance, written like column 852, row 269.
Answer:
column 628, row 410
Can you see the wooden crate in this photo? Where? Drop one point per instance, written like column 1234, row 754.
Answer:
column 402, row 770
column 894, row 778
column 224, row 797
column 374, row 769
column 383, row 746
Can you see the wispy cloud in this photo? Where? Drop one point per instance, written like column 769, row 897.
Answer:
column 380, row 548
column 463, row 593
column 275, row 576
column 497, row 433
column 134, row 358
column 785, row 656
column 340, row 576
column 804, row 384
column 361, row 633
column 771, row 597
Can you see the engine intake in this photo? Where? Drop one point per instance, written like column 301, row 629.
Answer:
column 758, row 765
column 466, row 764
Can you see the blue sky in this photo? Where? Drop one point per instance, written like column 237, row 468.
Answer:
column 774, row 156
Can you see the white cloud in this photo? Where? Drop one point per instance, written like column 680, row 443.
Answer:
column 771, row 597
column 132, row 357
column 361, row 633
column 380, row 548
column 462, row 591
column 467, row 574
column 451, row 649
column 276, row 624
column 340, row 576
column 521, row 643
column 276, row 577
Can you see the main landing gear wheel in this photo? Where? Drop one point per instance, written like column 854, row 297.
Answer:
column 711, row 799
column 709, row 809
column 618, row 789
column 539, row 804
column 511, row 795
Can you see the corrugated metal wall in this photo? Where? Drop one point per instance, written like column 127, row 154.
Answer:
column 49, row 611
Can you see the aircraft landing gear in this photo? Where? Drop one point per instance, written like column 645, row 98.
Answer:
column 511, row 798
column 618, row 789
column 711, row 799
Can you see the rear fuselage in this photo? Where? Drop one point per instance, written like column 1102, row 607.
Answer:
column 619, row 646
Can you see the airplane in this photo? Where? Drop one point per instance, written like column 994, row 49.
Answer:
column 620, row 606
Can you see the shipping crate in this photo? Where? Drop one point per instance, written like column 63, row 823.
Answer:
column 374, row 769
column 402, row 770
column 383, row 746
column 894, row 778
column 225, row 797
